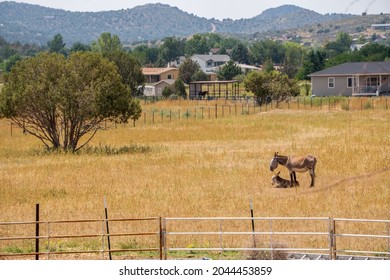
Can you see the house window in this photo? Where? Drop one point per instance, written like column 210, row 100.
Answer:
column 170, row 77
column 210, row 63
column 352, row 82
column 372, row 81
column 331, row 82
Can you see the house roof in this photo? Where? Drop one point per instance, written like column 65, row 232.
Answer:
column 156, row 71
column 214, row 57
column 169, row 82
column 356, row 68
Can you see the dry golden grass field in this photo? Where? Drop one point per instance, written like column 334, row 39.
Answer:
column 210, row 167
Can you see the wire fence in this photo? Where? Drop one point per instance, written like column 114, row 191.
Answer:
column 160, row 111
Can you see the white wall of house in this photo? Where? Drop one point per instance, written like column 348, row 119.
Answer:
column 157, row 88
column 208, row 62
column 149, row 90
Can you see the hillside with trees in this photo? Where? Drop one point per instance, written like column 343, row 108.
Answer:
column 36, row 24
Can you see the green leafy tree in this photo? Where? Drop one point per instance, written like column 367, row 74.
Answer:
column 107, row 43
column 170, row 50
column 57, row 45
column 199, row 76
column 179, row 88
column 240, row 53
column 63, row 102
column 129, row 69
column 188, row 70
column 314, row 61
column 293, row 59
column 257, row 83
column 167, row 91
column 268, row 65
column 281, row 86
column 196, row 45
column 259, row 52
column 80, row 47
column 145, row 55
column 341, row 44
column 273, row 84
column 11, row 61
column 229, row 71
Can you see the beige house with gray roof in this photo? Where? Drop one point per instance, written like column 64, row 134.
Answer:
column 352, row 79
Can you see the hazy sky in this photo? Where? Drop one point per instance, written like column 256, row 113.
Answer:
column 221, row 9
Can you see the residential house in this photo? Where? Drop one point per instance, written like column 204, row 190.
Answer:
column 157, row 88
column 248, row 68
column 154, row 75
column 209, row 62
column 158, row 78
column 352, row 79
column 381, row 26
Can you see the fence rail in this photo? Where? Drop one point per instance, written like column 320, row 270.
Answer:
column 167, row 236
column 7, row 236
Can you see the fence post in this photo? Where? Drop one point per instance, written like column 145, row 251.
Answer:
column 332, row 239
column 163, row 239
column 253, row 224
column 161, row 246
column 37, row 232
column 271, row 239
column 388, row 240
column 108, row 231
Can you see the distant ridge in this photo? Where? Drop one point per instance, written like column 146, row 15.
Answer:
column 28, row 23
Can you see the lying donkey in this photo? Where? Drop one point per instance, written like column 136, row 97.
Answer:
column 280, row 182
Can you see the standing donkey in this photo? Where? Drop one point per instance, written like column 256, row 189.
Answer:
column 295, row 164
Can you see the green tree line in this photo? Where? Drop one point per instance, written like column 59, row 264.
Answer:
column 297, row 61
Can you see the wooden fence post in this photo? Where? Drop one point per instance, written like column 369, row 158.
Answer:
column 332, row 239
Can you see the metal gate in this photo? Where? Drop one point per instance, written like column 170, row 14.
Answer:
column 163, row 238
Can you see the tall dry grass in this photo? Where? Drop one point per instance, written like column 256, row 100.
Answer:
column 207, row 168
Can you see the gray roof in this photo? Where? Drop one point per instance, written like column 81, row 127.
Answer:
column 356, row 68
column 214, row 57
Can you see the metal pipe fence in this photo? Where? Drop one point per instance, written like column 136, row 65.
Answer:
column 166, row 238
column 72, row 235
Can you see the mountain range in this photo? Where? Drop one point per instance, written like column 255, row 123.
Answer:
column 28, row 23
